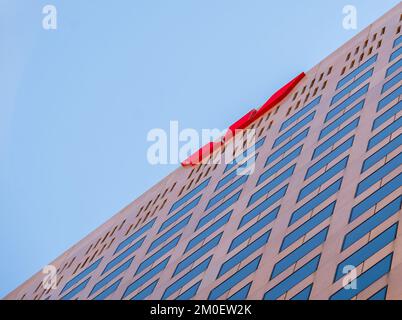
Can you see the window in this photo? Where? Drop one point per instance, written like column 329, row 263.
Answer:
column 178, row 227
column 313, row 203
column 393, row 68
column 242, row 293
column 397, row 41
column 380, row 295
column 358, row 70
column 146, row 292
column 239, row 276
column 352, row 86
column 372, row 223
column 309, row 225
column 157, row 255
column 135, row 235
column 190, row 293
column 263, row 206
column 365, row 252
column 342, row 119
column 301, row 113
column 377, row 176
column 375, row 197
column 384, row 134
column 299, row 253
column 111, row 276
column 178, row 284
column 223, row 194
column 317, row 183
column 296, row 140
column 392, row 82
column 353, row 98
column 304, row 294
column 294, row 129
column 146, row 277
column 271, row 185
column 108, row 291
column 382, row 153
column 366, row 279
column 395, row 54
column 207, row 232
column 258, row 226
column 243, row 254
column 76, row 290
column 335, row 138
column 190, row 195
column 197, row 254
column 81, row 275
column 389, row 98
column 390, row 113
column 180, row 214
column 298, row 276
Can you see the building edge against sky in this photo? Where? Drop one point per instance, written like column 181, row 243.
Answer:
column 325, row 197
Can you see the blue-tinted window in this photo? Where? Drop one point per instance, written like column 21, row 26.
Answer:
column 258, row 226
column 342, row 119
column 395, row 54
column 365, row 252
column 198, row 254
column 172, row 231
column 389, row 98
column 328, row 175
column 123, row 255
column 357, row 71
column 392, row 82
column 299, row 253
column 263, row 206
column 178, row 284
column 271, row 185
column 303, row 295
column 210, row 230
column 245, row 154
column 329, row 157
column 157, row 255
column 384, row 134
column 235, row 173
column 390, row 113
column 243, row 254
column 146, row 292
column 180, row 214
column 298, row 276
column 223, row 194
column 372, row 223
column 189, row 195
column 313, row 203
column 81, row 275
column 352, row 86
column 353, row 98
column 242, row 293
column 380, row 295
column 217, row 211
column 301, row 113
column 76, row 290
column 189, row 293
column 135, row 235
column 281, row 164
column 335, row 138
column 103, row 295
column 365, row 280
column 397, row 41
column 294, row 129
column 375, row 197
column 296, row 140
column 377, row 176
column 146, row 277
column 382, row 153
column 111, row 276
column 392, row 69
column 309, row 225
column 230, row 282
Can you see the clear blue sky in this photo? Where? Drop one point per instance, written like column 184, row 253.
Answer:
column 77, row 103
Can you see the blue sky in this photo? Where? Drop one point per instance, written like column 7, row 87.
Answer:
column 76, row 103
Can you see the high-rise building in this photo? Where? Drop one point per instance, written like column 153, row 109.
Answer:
column 321, row 207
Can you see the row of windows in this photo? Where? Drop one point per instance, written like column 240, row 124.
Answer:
column 301, row 113
column 384, row 134
column 135, row 236
column 392, row 69
column 390, row 113
column 389, row 98
column 223, row 194
column 392, row 82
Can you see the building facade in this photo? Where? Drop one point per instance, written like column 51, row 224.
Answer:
column 322, row 206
